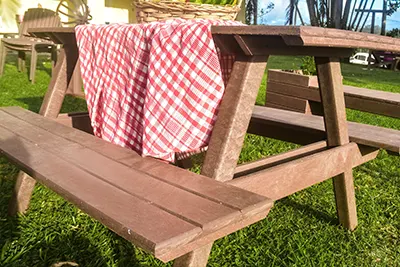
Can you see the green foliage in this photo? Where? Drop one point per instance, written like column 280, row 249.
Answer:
column 308, row 66
column 301, row 230
column 394, row 33
column 393, row 6
column 253, row 16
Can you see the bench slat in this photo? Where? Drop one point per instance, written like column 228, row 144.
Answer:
column 368, row 100
column 209, row 215
column 364, row 134
column 125, row 214
column 197, row 184
column 55, row 158
column 373, row 101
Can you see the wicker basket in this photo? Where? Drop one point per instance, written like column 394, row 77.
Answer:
column 149, row 11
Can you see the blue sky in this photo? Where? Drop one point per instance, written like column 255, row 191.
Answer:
column 277, row 15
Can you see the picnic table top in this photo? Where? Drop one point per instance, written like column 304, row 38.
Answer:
column 314, row 36
column 294, row 36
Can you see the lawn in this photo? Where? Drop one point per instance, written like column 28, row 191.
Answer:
column 301, row 230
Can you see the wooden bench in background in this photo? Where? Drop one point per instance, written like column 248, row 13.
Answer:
column 293, row 108
column 305, row 129
column 296, row 92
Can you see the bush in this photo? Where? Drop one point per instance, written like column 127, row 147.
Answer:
column 308, row 66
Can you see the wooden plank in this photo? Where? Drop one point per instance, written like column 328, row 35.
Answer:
column 271, row 161
column 274, row 45
column 123, row 213
column 273, row 105
column 284, row 77
column 233, row 117
column 364, row 93
column 292, row 103
column 294, row 91
column 368, row 100
column 313, row 36
column 228, row 133
column 332, row 98
column 287, row 121
column 202, row 254
column 201, row 185
column 209, row 215
column 76, row 120
column 50, row 108
column 287, row 178
column 373, row 106
column 42, row 141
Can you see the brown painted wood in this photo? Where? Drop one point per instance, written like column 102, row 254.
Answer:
column 308, row 93
column 292, row 103
column 271, row 161
column 283, row 121
column 368, row 100
column 233, row 118
column 202, row 240
column 51, row 105
column 273, row 105
column 178, row 201
column 228, row 133
column 80, row 121
column 259, row 45
column 125, row 214
column 285, row 179
column 280, row 76
column 75, row 87
column 284, row 86
column 264, row 123
column 168, row 173
column 312, row 36
column 209, row 214
column 332, row 98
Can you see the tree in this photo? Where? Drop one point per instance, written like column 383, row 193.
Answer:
column 333, row 14
column 265, row 11
column 394, row 33
column 252, row 14
column 8, row 9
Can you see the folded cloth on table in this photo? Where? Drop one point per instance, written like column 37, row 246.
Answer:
column 153, row 87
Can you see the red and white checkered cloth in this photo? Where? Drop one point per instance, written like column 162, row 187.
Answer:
column 152, row 87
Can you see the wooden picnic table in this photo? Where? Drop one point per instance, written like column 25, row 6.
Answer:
column 292, row 171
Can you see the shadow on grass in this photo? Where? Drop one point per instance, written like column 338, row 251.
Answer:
column 308, row 210
column 70, row 104
column 42, row 61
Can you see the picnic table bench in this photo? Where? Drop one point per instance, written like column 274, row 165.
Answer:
column 173, row 213
column 300, row 93
column 161, row 208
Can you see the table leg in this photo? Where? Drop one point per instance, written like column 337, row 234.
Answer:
column 228, row 134
column 51, row 107
column 332, row 96
column 75, row 86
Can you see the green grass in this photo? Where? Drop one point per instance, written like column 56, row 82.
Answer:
column 301, row 230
